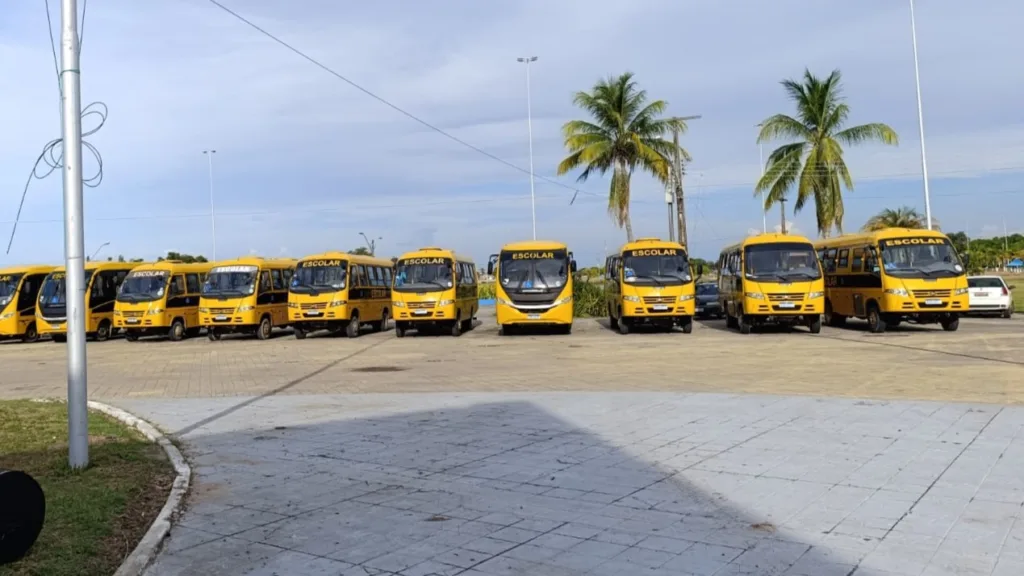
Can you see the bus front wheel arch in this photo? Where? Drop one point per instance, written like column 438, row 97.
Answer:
column 265, row 328
column 103, row 331
column 31, row 334
column 177, row 330
column 876, row 323
column 352, row 328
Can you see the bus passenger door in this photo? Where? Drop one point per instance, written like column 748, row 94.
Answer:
column 26, row 304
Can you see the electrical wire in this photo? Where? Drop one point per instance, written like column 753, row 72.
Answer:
column 395, row 107
column 52, row 157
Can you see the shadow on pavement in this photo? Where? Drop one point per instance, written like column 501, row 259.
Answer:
column 494, row 488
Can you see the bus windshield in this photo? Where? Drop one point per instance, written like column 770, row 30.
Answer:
column 230, row 281
column 143, row 286
column 920, row 258
column 534, row 271
column 312, row 277
column 423, row 274
column 54, row 290
column 8, row 288
column 656, row 266
column 781, row 262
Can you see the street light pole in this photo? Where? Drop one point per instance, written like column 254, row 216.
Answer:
column 102, row 246
column 371, row 244
column 764, row 213
column 668, row 204
column 678, row 180
column 920, row 121
column 74, row 236
column 782, row 204
column 213, row 220
column 529, row 128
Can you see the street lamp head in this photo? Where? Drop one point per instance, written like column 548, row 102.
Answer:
column 529, row 59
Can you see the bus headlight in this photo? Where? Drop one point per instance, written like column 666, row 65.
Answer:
column 565, row 300
column 6, row 316
column 812, row 295
column 897, row 291
column 754, row 295
column 398, row 304
column 204, row 310
column 686, row 297
column 446, row 302
column 246, row 308
column 960, row 291
column 293, row 304
column 628, row 298
column 503, row 302
column 154, row 311
column 335, row 303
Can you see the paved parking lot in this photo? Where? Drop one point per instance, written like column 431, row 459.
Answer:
column 980, row 363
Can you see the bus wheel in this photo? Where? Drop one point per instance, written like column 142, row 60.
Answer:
column 60, row 338
column 875, row 322
column 612, row 320
column 399, row 330
column 457, row 326
column 103, row 331
column 623, row 326
column 382, row 325
column 300, row 334
column 504, row 330
column 467, row 324
column 352, row 328
column 831, row 318
column 814, row 324
column 131, row 336
column 177, row 331
column 743, row 322
column 30, row 335
column 265, row 328
column 951, row 323
column 730, row 321
column 687, row 325
column 212, row 334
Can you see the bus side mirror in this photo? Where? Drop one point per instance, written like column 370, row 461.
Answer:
column 700, row 270
column 572, row 266
column 490, row 268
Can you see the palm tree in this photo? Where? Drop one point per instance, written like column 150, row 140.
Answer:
column 814, row 163
column 903, row 217
column 626, row 133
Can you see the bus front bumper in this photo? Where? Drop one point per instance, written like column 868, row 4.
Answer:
column 783, row 308
column 229, row 322
column 637, row 307
column 559, row 313
column 423, row 311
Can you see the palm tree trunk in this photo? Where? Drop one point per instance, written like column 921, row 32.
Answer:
column 629, row 228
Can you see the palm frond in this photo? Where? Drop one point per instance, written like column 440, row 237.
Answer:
column 876, row 132
column 780, row 127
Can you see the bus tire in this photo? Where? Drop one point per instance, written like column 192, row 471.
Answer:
column 265, row 328
column 831, row 318
column 467, row 324
column 612, row 320
column 623, row 326
column 875, row 322
column 352, row 328
column 457, row 325
column 130, row 336
column 565, row 329
column 103, row 331
column 687, row 325
column 212, row 334
column 300, row 334
column 31, row 334
column 60, row 338
column 504, row 330
column 399, row 330
column 177, row 331
column 382, row 325
column 814, row 324
column 743, row 322
column 951, row 324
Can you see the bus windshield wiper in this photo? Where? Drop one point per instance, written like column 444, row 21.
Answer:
column 804, row 274
column 655, row 279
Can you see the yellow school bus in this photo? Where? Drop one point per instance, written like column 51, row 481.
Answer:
column 432, row 288
column 893, row 275
column 335, row 291
column 533, row 285
column 102, row 279
column 649, row 281
column 161, row 298
column 19, row 288
column 771, row 279
column 248, row 295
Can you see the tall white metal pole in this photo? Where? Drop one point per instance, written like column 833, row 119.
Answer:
column 213, row 219
column 529, row 127
column 764, row 215
column 920, row 121
column 74, row 237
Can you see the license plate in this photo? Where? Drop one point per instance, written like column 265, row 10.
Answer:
column 933, row 302
column 131, row 320
column 313, row 313
column 700, row 308
column 220, row 318
column 787, row 305
column 533, row 316
column 981, row 294
column 57, row 326
column 660, row 307
column 420, row 312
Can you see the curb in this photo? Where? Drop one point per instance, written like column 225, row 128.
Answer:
column 149, row 546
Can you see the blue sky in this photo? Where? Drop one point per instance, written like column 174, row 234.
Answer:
column 305, row 162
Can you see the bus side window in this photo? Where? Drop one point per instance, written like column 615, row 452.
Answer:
column 359, row 276
column 830, row 260
column 844, row 259
column 177, row 285
column 858, row 260
column 265, row 283
column 387, row 277
column 287, row 275
column 192, row 283
column 275, row 278
column 870, row 260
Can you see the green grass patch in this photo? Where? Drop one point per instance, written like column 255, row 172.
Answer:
column 94, row 517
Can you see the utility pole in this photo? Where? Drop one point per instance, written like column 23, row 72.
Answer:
column 529, row 128
column 920, row 121
column 74, row 236
column 371, row 244
column 213, row 220
column 764, row 214
column 782, row 211
column 677, row 172
column 671, row 209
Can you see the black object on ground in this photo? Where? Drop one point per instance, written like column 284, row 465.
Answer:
column 22, row 510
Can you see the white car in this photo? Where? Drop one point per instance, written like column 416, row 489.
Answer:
column 989, row 295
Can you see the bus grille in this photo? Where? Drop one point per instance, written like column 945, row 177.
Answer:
column 421, row 305
column 313, row 306
column 931, row 293
column 222, row 310
column 659, row 299
column 132, row 314
column 787, row 297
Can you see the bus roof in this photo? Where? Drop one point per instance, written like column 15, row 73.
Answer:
column 874, row 237
column 337, row 255
column 768, row 238
column 435, row 252
column 641, row 243
column 27, row 269
column 258, row 261
column 104, row 266
column 176, row 266
column 534, row 245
